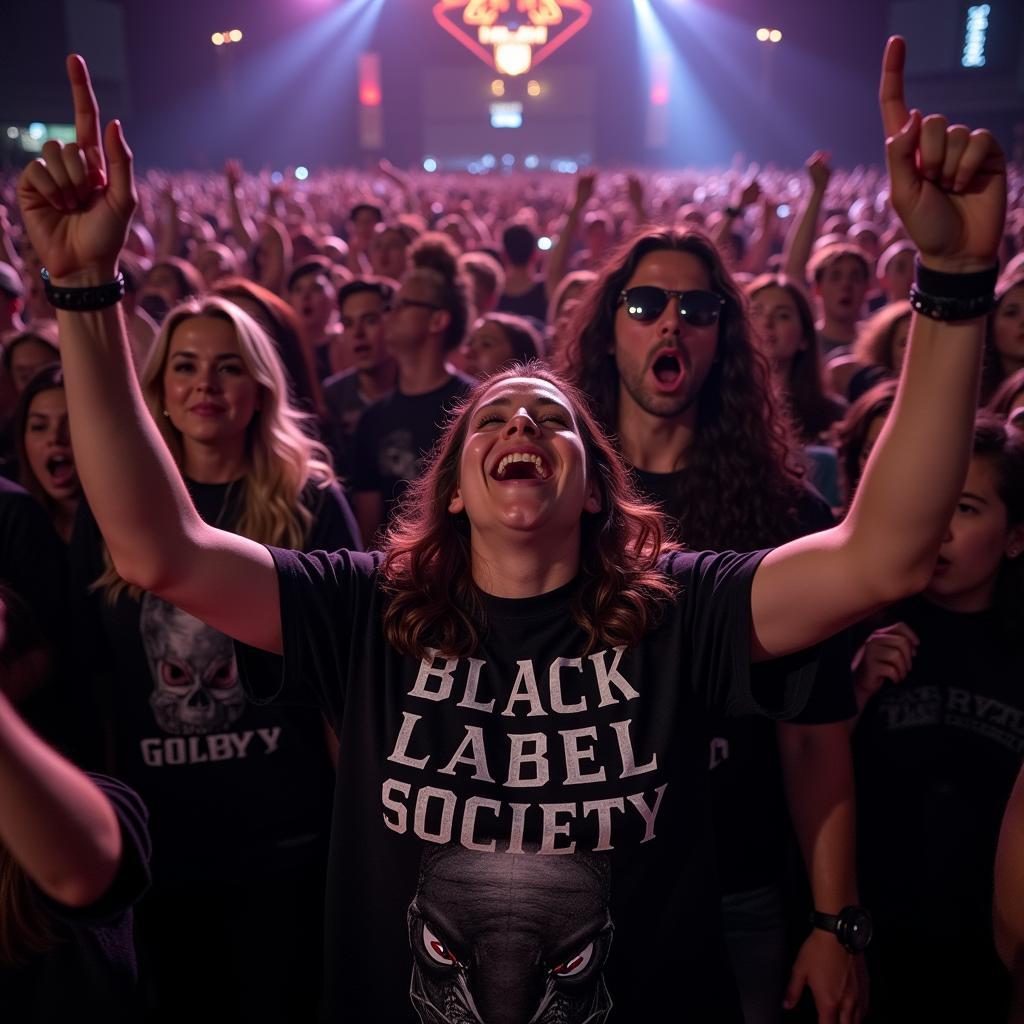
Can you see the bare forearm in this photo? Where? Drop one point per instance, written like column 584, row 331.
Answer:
column 559, row 259
column 54, row 820
column 916, row 471
column 818, row 778
column 169, row 239
column 131, row 481
column 242, row 228
column 797, row 249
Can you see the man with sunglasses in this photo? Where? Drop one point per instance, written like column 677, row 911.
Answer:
column 427, row 321
column 666, row 352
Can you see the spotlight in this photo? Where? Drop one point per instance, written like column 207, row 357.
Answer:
column 217, row 39
column 430, row 165
column 508, row 160
column 301, row 173
column 763, row 34
column 36, row 130
column 12, row 132
column 235, row 35
column 498, row 87
column 544, row 243
column 532, row 162
column 533, row 87
column 488, row 160
column 277, row 177
column 775, row 36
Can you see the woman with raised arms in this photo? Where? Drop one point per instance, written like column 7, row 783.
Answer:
column 518, row 682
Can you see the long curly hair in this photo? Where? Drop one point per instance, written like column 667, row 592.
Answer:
column 745, row 471
column 427, row 570
column 282, row 458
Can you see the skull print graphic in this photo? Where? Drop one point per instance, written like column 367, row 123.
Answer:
column 196, row 686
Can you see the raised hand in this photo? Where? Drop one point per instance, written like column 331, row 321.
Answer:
column 818, row 169
column 635, row 190
column 233, row 173
column 585, row 182
column 749, row 194
column 947, row 183
column 76, row 205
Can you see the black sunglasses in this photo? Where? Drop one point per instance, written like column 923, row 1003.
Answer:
column 646, row 302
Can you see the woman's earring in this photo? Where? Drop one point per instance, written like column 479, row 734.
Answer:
column 167, row 414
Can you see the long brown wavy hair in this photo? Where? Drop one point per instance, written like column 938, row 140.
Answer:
column 814, row 408
column 427, row 569
column 744, row 468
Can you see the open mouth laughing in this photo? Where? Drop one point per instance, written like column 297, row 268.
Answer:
column 521, row 465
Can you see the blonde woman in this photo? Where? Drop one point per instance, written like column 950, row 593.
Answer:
column 240, row 794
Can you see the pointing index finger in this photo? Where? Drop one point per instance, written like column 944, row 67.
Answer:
column 890, row 90
column 87, row 115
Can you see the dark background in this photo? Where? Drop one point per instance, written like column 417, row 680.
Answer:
column 287, row 94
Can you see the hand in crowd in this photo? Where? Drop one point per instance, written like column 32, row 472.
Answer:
column 233, row 173
column 635, row 190
column 749, row 194
column 818, row 170
column 837, row 980
column 77, row 200
column 886, row 656
column 948, row 184
column 585, row 184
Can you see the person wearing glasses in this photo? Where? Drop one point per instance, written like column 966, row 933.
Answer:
column 520, row 680
column 689, row 395
column 427, row 321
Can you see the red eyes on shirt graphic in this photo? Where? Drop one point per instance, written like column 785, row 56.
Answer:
column 511, row 937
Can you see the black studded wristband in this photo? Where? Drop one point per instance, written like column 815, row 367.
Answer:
column 952, row 297
column 83, row 300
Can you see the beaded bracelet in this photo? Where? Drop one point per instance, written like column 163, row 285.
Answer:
column 82, row 300
column 952, row 297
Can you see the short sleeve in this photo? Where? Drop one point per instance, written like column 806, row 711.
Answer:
column 330, row 615
column 334, row 526
column 133, row 875
column 715, row 594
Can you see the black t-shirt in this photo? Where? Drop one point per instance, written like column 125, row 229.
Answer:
column 532, row 303
column 90, row 973
column 499, row 818
column 936, row 758
column 233, row 789
column 395, row 436
column 33, row 561
column 749, row 806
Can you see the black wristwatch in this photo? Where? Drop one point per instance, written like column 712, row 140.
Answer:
column 852, row 926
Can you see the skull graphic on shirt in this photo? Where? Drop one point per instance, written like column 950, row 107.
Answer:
column 502, row 937
column 196, row 686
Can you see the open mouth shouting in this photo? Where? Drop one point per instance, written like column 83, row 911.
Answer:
column 668, row 370
column 60, row 472
column 522, row 464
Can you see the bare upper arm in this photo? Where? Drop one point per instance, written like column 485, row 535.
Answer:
column 806, row 591
column 230, row 583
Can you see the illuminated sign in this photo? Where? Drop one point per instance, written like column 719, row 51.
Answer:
column 512, row 36
column 975, row 36
column 506, row 115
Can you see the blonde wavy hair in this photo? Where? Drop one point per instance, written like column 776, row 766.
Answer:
column 282, row 458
